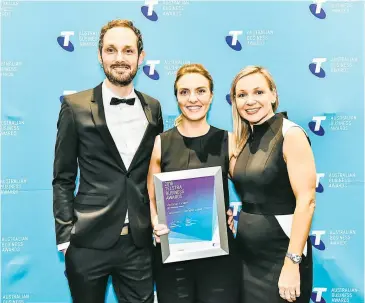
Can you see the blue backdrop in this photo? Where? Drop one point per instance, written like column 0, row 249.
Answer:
column 314, row 51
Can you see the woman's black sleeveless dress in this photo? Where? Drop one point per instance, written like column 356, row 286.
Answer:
column 261, row 180
column 210, row 280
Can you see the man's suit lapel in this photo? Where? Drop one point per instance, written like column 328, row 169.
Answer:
column 98, row 114
column 146, row 108
column 151, row 124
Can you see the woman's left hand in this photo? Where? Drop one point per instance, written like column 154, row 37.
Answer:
column 289, row 281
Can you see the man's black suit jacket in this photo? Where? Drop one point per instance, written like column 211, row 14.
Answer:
column 94, row 217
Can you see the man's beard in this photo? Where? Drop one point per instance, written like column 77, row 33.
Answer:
column 117, row 78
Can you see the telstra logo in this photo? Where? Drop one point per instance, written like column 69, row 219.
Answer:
column 316, row 239
column 317, row 10
column 232, row 40
column 64, row 41
column 316, row 69
column 147, row 10
column 150, row 69
column 315, row 125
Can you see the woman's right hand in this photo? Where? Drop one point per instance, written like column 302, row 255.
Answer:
column 230, row 221
column 160, row 230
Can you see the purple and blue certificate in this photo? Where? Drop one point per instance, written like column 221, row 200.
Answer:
column 191, row 204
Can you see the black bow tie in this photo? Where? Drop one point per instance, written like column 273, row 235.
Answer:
column 116, row 101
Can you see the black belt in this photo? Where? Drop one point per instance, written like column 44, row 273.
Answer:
column 268, row 209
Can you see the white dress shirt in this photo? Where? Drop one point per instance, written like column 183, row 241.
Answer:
column 127, row 125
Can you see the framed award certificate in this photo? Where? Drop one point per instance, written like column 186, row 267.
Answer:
column 191, row 204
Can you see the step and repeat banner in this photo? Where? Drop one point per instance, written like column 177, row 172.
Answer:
column 315, row 51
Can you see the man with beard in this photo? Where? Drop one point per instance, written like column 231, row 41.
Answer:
column 107, row 133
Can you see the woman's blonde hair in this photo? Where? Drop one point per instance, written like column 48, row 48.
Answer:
column 240, row 126
column 193, row 68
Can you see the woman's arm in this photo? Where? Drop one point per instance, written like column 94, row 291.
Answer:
column 231, row 149
column 155, row 168
column 302, row 175
column 232, row 162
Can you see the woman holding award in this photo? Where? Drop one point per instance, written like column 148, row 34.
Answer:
column 193, row 144
column 274, row 174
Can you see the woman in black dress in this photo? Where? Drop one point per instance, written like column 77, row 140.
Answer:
column 274, row 174
column 193, row 143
